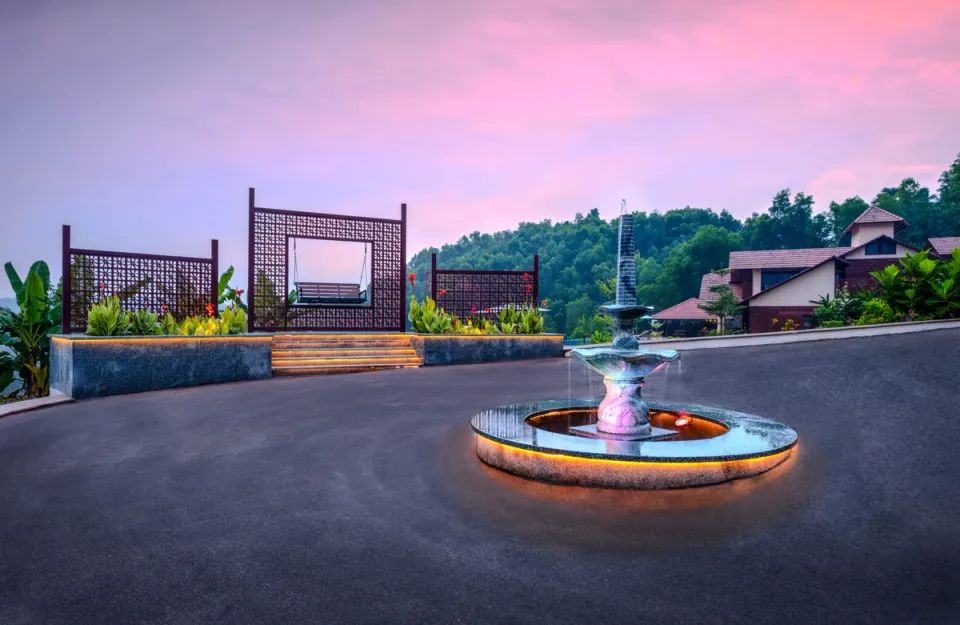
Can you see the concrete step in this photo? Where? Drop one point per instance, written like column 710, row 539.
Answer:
column 291, row 363
column 329, row 370
column 312, row 354
column 356, row 352
column 344, row 345
column 339, row 338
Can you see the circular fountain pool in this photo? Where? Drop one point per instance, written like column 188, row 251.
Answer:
column 553, row 441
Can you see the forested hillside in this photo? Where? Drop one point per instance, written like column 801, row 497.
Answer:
column 676, row 247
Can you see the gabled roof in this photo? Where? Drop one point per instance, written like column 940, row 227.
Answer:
column 784, row 259
column 876, row 215
column 713, row 279
column 686, row 310
column 882, row 236
column 944, row 246
column 834, row 259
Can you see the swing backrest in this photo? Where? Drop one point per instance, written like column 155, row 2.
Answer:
column 312, row 291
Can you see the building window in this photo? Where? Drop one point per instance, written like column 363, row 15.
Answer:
column 773, row 277
column 880, row 247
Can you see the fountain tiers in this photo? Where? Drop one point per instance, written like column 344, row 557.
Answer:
column 623, row 414
column 622, row 449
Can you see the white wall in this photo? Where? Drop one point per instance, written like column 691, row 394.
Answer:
column 862, row 233
column 901, row 252
column 800, row 291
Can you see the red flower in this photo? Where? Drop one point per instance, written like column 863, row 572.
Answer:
column 210, row 309
column 473, row 309
column 239, row 292
column 529, row 287
column 455, row 321
column 526, row 276
column 544, row 303
column 442, row 293
column 412, row 277
column 163, row 308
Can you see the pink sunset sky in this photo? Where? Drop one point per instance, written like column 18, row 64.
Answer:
column 143, row 126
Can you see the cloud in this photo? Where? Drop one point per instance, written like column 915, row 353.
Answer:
column 479, row 115
column 867, row 178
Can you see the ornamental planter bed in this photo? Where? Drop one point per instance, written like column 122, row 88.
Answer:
column 90, row 366
column 459, row 349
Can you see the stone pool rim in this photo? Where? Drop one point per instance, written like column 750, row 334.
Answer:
column 516, row 415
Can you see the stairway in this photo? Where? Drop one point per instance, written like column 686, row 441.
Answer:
column 310, row 354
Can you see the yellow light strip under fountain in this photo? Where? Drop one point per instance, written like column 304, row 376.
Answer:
column 583, row 471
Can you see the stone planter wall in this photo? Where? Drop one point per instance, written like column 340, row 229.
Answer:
column 454, row 349
column 87, row 366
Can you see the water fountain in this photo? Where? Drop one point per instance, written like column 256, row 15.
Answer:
column 621, row 441
column 623, row 414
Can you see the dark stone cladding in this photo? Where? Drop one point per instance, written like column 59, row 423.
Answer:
column 446, row 349
column 760, row 318
column 857, row 276
column 83, row 367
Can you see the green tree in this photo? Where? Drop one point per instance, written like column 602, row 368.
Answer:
column 948, row 203
column 843, row 214
column 915, row 204
column 787, row 224
column 688, row 262
column 580, row 317
column 726, row 305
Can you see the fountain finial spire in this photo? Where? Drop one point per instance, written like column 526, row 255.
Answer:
column 626, row 264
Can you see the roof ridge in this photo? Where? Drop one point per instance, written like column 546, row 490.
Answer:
column 876, row 215
column 875, row 208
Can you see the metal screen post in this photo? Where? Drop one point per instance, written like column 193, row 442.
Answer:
column 536, row 280
column 65, row 291
column 251, row 315
column 433, row 276
column 403, row 263
column 215, row 274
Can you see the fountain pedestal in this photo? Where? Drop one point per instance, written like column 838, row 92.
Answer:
column 622, row 410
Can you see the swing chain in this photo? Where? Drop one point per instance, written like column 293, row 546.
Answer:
column 296, row 272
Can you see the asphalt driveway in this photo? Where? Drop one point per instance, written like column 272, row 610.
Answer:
column 358, row 499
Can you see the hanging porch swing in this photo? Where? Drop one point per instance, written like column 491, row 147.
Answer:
column 331, row 292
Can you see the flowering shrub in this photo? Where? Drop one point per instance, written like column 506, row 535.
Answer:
column 876, row 311
column 430, row 318
column 839, row 311
column 789, row 326
column 109, row 319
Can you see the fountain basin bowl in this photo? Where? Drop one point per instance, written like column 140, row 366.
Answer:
column 625, row 311
column 529, row 440
column 616, row 364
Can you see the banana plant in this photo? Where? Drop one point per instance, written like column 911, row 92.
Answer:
column 27, row 332
column 229, row 294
